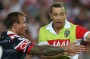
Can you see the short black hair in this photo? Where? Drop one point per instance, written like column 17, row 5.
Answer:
column 57, row 4
column 12, row 18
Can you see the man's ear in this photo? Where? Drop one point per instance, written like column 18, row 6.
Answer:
column 15, row 25
column 50, row 16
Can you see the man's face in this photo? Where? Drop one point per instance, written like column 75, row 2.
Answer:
column 21, row 28
column 58, row 15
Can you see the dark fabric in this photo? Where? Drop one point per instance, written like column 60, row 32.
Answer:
column 8, row 47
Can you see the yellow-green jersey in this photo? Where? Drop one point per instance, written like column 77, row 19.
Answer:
column 70, row 33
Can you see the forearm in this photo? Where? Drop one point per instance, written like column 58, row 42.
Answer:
column 54, row 56
column 46, row 50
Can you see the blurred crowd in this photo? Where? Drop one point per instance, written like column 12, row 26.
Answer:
column 36, row 11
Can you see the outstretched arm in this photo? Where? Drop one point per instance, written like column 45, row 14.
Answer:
column 47, row 50
column 25, row 46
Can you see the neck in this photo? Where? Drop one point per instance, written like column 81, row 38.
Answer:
column 12, row 30
column 57, row 29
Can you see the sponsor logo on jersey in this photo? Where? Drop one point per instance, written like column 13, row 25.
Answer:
column 66, row 33
column 59, row 42
column 22, row 45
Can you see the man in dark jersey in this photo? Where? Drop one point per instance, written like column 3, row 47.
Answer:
column 16, row 47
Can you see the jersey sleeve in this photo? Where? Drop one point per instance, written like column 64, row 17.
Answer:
column 80, row 32
column 23, row 45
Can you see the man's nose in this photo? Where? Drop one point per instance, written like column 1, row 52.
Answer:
column 58, row 17
column 26, row 25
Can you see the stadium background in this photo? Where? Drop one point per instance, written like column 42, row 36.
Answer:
column 36, row 11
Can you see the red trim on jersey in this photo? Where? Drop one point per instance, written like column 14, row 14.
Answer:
column 29, row 48
column 11, row 34
column 22, row 45
column 80, row 31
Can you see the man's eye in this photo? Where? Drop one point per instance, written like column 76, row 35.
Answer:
column 55, row 14
column 62, row 14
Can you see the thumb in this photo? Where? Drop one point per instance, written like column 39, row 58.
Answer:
column 74, row 43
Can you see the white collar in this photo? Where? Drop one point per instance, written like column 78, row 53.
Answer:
column 49, row 27
column 10, row 32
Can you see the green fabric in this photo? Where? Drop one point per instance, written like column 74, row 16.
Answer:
column 45, row 35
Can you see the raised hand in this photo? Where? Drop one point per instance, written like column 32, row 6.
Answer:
column 74, row 48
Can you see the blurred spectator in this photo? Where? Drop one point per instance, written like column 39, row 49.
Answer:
column 1, row 6
column 32, row 34
column 33, row 28
column 81, row 19
column 16, row 5
column 2, row 26
column 5, row 9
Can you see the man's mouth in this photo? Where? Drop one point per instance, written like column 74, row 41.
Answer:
column 25, row 28
column 58, row 22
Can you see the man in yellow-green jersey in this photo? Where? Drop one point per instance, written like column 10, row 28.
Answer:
column 60, row 32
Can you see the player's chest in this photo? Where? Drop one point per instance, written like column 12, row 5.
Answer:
column 63, row 38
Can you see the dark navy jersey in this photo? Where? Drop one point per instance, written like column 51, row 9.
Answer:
column 13, row 46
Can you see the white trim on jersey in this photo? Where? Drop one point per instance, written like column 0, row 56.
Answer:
column 1, row 52
column 44, row 43
column 86, row 35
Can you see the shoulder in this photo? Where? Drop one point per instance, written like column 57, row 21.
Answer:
column 81, row 28
column 73, row 25
column 43, row 28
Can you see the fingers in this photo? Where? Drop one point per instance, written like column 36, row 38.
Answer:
column 77, row 48
column 71, row 54
column 80, row 48
column 73, row 43
column 79, row 51
column 74, row 48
